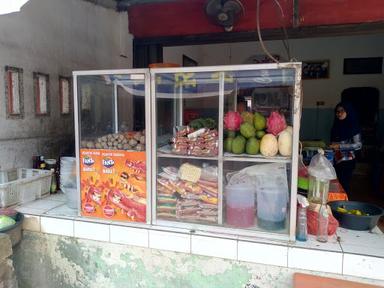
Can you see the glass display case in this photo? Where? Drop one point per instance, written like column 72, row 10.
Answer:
column 112, row 116
column 225, row 148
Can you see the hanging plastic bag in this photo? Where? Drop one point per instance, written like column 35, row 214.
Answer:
column 302, row 169
column 321, row 168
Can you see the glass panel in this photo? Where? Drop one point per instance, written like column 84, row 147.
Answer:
column 187, row 190
column 187, row 113
column 112, row 112
column 256, row 196
column 257, row 165
column 248, row 185
column 187, row 106
column 113, row 168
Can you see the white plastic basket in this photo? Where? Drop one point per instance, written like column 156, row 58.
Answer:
column 23, row 185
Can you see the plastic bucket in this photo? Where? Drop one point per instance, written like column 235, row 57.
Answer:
column 271, row 208
column 240, row 205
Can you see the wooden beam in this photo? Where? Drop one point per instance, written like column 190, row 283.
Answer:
column 268, row 34
column 123, row 5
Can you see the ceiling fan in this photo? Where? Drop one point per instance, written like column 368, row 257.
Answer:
column 224, row 12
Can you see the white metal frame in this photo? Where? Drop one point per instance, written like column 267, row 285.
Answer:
column 148, row 143
column 296, row 107
column 152, row 154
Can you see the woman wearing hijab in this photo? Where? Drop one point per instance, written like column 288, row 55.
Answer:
column 345, row 140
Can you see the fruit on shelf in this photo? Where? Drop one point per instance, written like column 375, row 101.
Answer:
column 253, row 146
column 247, row 130
column 285, row 143
column 232, row 121
column 269, row 145
column 276, row 123
column 247, row 117
column 289, row 129
column 238, row 144
column 228, row 144
column 231, row 134
column 260, row 134
column 259, row 121
column 203, row 123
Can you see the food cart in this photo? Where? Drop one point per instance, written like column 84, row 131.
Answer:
column 207, row 164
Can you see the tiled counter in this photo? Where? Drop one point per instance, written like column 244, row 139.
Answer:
column 351, row 253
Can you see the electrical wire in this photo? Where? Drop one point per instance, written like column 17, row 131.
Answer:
column 285, row 41
column 259, row 34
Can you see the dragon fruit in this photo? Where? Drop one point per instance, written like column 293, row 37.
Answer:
column 232, row 121
column 276, row 123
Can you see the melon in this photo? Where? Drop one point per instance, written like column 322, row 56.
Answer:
column 289, row 129
column 269, row 145
column 238, row 145
column 285, row 143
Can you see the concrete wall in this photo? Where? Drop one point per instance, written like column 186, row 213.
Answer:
column 54, row 37
column 316, row 123
column 49, row 261
column 7, row 272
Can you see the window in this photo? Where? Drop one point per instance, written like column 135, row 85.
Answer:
column 41, row 87
column 14, row 92
column 64, row 93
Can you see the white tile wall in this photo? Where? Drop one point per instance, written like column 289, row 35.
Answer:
column 310, row 255
column 363, row 266
column 170, row 241
column 129, row 236
column 92, row 231
column 31, row 223
column 263, row 253
column 215, row 247
column 56, row 226
column 315, row 260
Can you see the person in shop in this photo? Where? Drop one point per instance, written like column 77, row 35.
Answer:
column 345, row 141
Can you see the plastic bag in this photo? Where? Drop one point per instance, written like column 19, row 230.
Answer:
column 321, row 168
column 313, row 220
column 209, row 173
column 302, row 169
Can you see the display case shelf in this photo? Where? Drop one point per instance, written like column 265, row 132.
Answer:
column 165, row 155
column 166, row 152
column 256, row 158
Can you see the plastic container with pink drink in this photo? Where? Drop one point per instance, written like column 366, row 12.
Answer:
column 240, row 205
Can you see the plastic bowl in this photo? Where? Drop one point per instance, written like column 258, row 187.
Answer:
column 357, row 222
column 15, row 231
